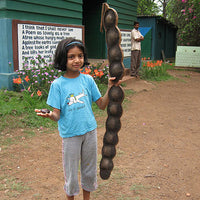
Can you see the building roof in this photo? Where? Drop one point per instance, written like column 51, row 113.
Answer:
column 159, row 18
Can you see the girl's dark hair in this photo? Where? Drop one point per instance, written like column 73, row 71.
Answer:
column 60, row 56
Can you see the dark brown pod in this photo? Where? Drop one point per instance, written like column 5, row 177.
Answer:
column 112, row 37
column 105, row 174
column 108, row 151
column 114, row 109
column 116, row 94
column 114, row 54
column 110, row 138
column 106, row 164
column 44, row 111
column 113, row 124
column 116, row 69
column 109, row 18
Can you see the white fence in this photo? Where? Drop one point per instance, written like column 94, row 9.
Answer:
column 187, row 56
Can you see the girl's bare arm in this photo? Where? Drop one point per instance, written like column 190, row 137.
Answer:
column 102, row 102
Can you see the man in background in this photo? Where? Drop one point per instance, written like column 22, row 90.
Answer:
column 136, row 38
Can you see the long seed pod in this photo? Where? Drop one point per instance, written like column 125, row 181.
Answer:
column 109, row 20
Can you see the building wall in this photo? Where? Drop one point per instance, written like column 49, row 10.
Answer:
column 146, row 43
column 6, row 53
column 150, row 22
column 95, row 40
column 163, row 36
column 68, row 12
column 127, row 12
column 160, row 35
column 58, row 11
column 170, row 42
column 166, row 40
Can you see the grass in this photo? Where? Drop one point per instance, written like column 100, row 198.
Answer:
column 12, row 186
column 17, row 109
column 117, row 177
column 138, row 188
column 17, row 112
column 156, row 72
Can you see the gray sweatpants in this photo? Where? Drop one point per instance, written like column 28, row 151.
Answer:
column 84, row 149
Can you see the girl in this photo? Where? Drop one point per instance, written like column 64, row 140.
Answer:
column 71, row 98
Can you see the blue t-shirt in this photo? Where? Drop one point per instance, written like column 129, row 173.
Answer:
column 74, row 97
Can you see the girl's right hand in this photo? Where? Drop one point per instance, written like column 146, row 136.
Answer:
column 44, row 113
column 53, row 115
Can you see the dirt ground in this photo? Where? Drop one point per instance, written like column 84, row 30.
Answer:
column 158, row 154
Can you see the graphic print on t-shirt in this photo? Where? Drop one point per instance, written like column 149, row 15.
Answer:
column 75, row 99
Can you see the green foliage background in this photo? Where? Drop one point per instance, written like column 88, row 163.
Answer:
column 185, row 14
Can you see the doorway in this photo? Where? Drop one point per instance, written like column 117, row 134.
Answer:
column 94, row 39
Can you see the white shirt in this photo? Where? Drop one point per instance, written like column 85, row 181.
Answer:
column 135, row 34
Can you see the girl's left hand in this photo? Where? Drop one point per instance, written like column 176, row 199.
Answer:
column 111, row 82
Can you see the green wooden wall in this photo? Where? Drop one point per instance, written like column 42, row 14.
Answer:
column 74, row 12
column 163, row 36
column 59, row 11
column 94, row 39
column 146, row 46
column 127, row 12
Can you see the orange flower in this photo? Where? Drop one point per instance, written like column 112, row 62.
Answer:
column 159, row 63
column 39, row 93
column 96, row 72
column 152, row 65
column 27, row 79
column 148, row 64
column 14, row 80
column 17, row 80
column 82, row 71
column 101, row 74
column 87, row 70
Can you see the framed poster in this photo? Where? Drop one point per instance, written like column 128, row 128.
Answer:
column 126, row 42
column 31, row 39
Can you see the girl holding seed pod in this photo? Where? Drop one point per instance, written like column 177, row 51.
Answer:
column 71, row 98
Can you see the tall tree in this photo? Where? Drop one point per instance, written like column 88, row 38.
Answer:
column 162, row 6
column 185, row 14
column 147, row 7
